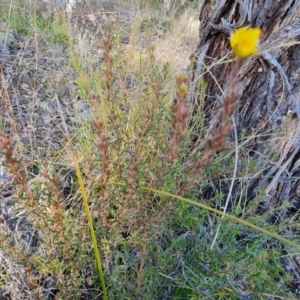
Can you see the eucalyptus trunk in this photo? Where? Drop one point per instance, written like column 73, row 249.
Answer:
column 268, row 113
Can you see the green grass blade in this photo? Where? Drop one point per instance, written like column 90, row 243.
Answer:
column 230, row 217
column 91, row 226
column 86, row 205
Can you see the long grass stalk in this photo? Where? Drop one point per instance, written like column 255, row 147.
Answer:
column 230, row 217
column 86, row 207
column 91, row 227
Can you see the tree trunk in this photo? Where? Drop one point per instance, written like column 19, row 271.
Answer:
column 267, row 118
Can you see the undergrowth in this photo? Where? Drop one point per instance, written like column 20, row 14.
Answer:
column 139, row 146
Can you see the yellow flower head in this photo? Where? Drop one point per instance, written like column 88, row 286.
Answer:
column 244, row 42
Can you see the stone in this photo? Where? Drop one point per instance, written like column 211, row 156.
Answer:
column 6, row 39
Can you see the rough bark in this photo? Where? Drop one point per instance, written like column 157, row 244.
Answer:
column 269, row 82
column 269, row 108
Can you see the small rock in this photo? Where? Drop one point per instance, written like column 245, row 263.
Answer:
column 4, row 49
column 6, row 39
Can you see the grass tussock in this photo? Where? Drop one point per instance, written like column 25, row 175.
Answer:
column 109, row 177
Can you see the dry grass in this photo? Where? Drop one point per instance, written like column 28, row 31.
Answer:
column 107, row 76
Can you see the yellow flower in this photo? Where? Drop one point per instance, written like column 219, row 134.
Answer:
column 244, row 42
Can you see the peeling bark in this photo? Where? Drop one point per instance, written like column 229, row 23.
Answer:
column 269, row 107
column 269, row 82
